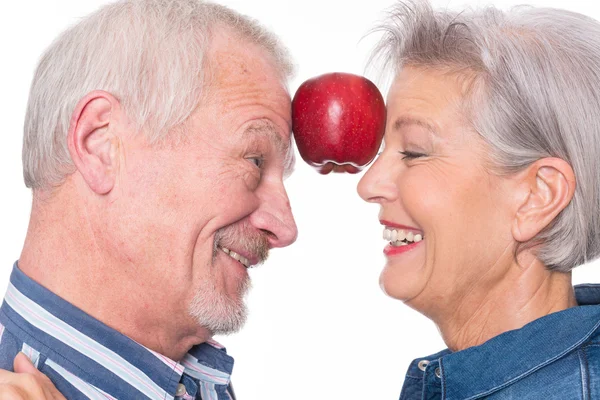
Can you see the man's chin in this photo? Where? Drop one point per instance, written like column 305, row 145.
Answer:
column 232, row 324
column 221, row 315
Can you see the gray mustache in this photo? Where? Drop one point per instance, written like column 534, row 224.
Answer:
column 243, row 238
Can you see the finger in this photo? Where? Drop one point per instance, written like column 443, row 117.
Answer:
column 23, row 364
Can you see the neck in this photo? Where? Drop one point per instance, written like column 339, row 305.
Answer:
column 522, row 296
column 64, row 253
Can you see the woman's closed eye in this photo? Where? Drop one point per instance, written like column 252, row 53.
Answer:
column 411, row 155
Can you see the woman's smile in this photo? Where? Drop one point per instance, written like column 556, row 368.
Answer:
column 400, row 238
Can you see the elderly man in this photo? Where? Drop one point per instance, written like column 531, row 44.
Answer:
column 156, row 142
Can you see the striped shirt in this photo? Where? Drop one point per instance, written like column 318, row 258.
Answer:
column 85, row 359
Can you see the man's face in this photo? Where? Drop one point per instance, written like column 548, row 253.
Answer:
column 196, row 205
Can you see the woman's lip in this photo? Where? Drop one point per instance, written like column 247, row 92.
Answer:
column 399, row 226
column 390, row 250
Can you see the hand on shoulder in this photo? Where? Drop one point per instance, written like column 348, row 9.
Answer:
column 26, row 383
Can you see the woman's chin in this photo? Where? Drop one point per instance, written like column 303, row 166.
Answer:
column 401, row 283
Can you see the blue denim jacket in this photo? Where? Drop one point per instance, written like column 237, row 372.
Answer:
column 556, row 357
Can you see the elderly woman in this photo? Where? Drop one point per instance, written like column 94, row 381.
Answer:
column 489, row 187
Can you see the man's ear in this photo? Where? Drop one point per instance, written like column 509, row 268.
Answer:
column 545, row 188
column 92, row 141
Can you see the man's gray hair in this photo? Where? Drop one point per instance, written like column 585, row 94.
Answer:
column 534, row 92
column 147, row 53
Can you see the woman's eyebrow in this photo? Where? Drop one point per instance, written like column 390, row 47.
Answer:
column 404, row 121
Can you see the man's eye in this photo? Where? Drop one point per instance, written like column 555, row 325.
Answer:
column 257, row 161
column 410, row 155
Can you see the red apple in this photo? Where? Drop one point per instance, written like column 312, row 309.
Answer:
column 338, row 121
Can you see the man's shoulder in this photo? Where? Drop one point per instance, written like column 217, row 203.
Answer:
column 63, row 372
column 14, row 340
column 18, row 335
column 15, row 337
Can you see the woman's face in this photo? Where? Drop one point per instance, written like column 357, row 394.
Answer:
column 432, row 184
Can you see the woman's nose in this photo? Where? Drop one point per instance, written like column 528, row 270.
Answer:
column 378, row 184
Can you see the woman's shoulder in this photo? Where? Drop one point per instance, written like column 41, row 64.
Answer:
column 556, row 357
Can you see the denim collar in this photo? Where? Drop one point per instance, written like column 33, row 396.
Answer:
column 527, row 349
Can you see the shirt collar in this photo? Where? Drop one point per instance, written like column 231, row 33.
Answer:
column 526, row 350
column 81, row 342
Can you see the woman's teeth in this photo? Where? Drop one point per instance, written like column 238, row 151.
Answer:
column 399, row 237
column 236, row 257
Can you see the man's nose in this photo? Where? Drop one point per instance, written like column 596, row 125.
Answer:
column 378, row 184
column 274, row 215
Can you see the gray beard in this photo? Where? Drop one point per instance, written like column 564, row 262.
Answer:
column 218, row 312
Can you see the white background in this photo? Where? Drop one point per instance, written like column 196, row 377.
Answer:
column 320, row 328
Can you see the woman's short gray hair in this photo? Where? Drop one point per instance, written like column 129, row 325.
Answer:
column 147, row 53
column 535, row 93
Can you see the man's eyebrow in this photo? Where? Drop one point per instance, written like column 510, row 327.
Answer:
column 282, row 146
column 405, row 121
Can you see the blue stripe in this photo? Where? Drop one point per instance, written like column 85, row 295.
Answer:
column 63, row 386
column 90, row 391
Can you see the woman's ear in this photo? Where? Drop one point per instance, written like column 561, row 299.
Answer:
column 92, row 141
column 546, row 187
